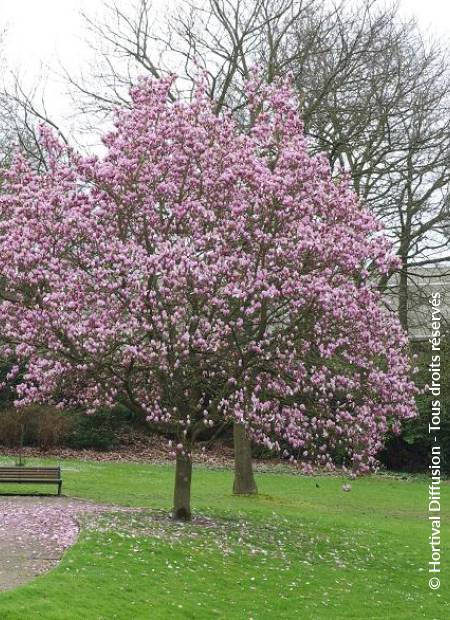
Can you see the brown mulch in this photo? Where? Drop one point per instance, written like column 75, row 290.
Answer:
column 145, row 449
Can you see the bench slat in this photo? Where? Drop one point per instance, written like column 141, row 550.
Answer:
column 29, row 469
column 29, row 481
column 32, row 471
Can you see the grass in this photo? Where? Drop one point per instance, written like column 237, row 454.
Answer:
column 302, row 549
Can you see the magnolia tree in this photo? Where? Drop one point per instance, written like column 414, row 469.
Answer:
column 200, row 276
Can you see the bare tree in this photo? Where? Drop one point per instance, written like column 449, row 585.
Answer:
column 374, row 96
column 26, row 110
column 381, row 109
column 11, row 125
column 374, row 93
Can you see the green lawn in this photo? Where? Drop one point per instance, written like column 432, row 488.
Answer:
column 303, row 549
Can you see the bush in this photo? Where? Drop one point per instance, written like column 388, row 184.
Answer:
column 44, row 427
column 411, row 451
column 47, row 428
column 102, row 430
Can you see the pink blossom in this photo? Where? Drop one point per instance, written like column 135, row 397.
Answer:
column 198, row 269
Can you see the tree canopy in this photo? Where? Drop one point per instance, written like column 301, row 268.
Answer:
column 200, row 274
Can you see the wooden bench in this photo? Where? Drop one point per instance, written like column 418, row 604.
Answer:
column 31, row 475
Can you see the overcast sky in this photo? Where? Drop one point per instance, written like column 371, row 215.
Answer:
column 46, row 32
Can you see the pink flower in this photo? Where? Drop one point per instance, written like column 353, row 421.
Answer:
column 196, row 269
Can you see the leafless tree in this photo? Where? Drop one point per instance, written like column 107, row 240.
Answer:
column 374, row 94
column 11, row 128
column 25, row 111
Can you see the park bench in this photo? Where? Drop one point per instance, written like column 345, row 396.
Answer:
column 31, row 475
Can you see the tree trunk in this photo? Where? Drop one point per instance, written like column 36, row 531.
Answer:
column 244, row 481
column 182, row 492
column 403, row 296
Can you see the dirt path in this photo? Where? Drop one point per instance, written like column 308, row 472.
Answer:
column 35, row 532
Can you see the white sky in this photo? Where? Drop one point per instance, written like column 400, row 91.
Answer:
column 48, row 32
column 39, row 35
column 431, row 14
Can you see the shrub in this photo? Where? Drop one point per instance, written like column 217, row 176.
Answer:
column 410, row 451
column 102, row 430
column 44, row 427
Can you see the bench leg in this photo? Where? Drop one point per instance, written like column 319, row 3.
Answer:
column 59, row 488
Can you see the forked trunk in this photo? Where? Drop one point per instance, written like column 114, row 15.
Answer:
column 182, row 492
column 244, row 480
